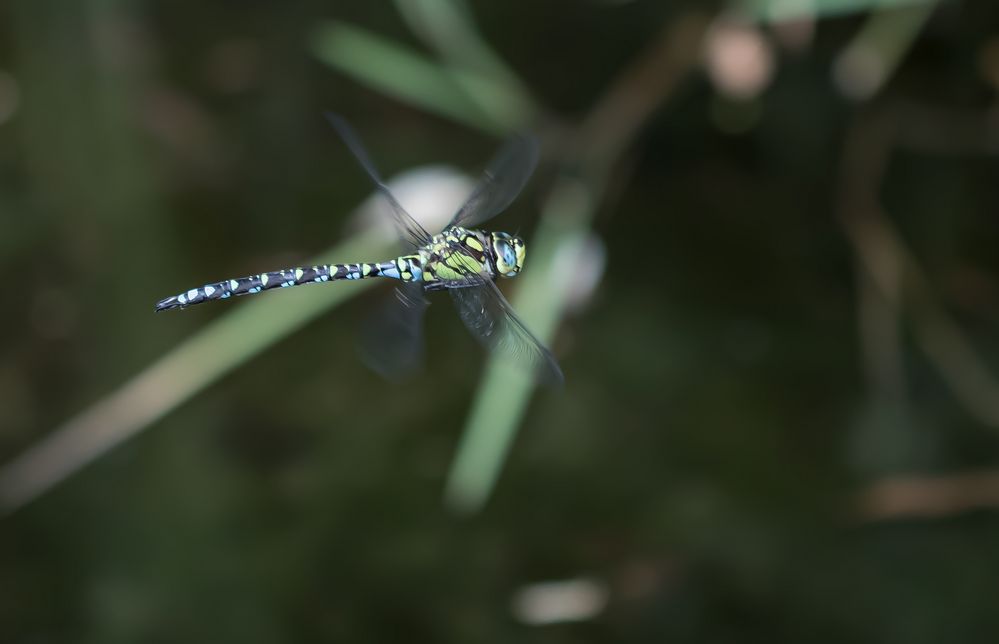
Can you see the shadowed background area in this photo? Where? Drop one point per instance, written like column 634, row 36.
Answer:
column 761, row 243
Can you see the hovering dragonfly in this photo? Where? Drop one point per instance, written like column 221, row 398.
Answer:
column 461, row 260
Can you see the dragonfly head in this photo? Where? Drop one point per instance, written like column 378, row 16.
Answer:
column 509, row 251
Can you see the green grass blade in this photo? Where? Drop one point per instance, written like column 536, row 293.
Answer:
column 505, row 389
column 399, row 72
column 488, row 81
column 778, row 10
column 189, row 368
column 878, row 49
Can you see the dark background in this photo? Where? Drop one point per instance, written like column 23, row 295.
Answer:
column 779, row 416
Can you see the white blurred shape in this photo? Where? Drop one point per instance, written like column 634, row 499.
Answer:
column 738, row 57
column 859, row 71
column 431, row 194
column 10, row 97
column 580, row 262
column 550, row 602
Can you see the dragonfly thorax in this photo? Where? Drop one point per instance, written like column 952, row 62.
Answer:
column 457, row 253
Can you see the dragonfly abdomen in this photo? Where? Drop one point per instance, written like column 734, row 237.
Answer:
column 407, row 268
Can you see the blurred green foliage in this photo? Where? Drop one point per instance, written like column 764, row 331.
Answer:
column 770, row 406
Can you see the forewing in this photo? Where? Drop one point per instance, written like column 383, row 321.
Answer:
column 391, row 340
column 493, row 322
column 412, row 233
column 502, row 181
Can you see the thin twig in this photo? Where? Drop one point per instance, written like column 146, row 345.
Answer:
column 907, row 497
column 888, row 262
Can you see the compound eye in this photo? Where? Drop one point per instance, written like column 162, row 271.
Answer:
column 509, row 256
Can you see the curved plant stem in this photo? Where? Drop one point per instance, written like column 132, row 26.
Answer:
column 504, row 391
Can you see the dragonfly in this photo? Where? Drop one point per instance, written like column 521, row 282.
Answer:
column 463, row 260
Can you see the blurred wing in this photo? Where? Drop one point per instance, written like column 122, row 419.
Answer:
column 391, row 340
column 413, row 234
column 500, row 184
column 491, row 319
